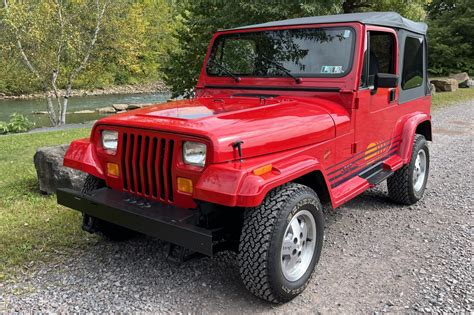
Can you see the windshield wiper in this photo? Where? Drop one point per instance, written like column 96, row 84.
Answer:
column 286, row 71
column 227, row 71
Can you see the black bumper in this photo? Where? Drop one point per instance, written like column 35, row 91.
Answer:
column 151, row 218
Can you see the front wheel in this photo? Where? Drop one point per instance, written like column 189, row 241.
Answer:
column 281, row 243
column 408, row 184
column 106, row 229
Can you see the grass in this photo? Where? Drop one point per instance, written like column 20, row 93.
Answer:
column 443, row 99
column 33, row 228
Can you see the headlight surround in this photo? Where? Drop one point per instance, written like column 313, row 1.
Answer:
column 110, row 140
column 194, row 153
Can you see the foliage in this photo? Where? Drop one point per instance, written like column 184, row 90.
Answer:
column 450, row 35
column 3, row 128
column 200, row 19
column 131, row 47
column 19, row 123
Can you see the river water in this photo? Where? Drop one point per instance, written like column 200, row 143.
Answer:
column 27, row 107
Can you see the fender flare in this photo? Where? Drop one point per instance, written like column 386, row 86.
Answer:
column 245, row 189
column 81, row 156
column 408, row 134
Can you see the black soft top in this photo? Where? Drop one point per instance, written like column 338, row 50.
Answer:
column 390, row 19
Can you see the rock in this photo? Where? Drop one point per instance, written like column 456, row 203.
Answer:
column 40, row 113
column 143, row 105
column 85, row 111
column 51, row 172
column 462, row 78
column 432, row 89
column 106, row 110
column 135, row 106
column 445, row 85
column 120, row 107
column 467, row 84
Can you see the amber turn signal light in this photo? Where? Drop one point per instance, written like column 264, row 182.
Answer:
column 113, row 169
column 263, row 170
column 185, row 185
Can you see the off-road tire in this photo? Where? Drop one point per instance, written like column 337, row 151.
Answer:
column 259, row 255
column 106, row 229
column 400, row 184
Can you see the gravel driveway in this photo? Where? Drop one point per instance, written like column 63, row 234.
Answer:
column 377, row 256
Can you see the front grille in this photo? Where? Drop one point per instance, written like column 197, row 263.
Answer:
column 147, row 165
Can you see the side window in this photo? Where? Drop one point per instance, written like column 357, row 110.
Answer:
column 412, row 75
column 380, row 57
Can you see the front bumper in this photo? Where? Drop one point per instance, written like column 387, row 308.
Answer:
column 168, row 223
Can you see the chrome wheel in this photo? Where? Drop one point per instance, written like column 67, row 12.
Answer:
column 298, row 245
column 419, row 171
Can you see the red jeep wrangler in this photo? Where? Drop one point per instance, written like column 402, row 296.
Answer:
column 286, row 116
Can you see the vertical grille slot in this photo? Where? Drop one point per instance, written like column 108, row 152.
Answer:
column 147, row 165
column 160, row 169
column 170, row 165
column 125, row 170
column 130, row 154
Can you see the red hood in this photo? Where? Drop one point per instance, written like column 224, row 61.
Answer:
column 264, row 125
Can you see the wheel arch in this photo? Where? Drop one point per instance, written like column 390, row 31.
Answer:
column 317, row 182
column 424, row 129
column 419, row 123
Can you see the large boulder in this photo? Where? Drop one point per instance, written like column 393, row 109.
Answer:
column 445, row 85
column 106, row 110
column 467, row 84
column 120, row 107
column 462, row 79
column 51, row 172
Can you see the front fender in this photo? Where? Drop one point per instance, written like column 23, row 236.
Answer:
column 408, row 135
column 235, row 185
column 81, row 156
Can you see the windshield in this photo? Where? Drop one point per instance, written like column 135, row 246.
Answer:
column 309, row 52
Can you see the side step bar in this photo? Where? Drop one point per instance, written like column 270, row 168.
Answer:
column 167, row 223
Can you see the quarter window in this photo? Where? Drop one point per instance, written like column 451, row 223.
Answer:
column 412, row 75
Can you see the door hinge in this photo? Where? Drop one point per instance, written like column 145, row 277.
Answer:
column 356, row 103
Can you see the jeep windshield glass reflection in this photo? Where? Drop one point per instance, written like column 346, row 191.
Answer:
column 314, row 52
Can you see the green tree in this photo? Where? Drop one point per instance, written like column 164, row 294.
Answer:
column 200, row 19
column 451, row 36
column 55, row 40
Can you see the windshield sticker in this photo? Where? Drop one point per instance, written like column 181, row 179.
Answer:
column 347, row 33
column 331, row 69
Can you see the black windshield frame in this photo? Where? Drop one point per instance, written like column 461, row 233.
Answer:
column 220, row 38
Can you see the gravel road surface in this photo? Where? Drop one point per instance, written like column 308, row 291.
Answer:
column 377, row 256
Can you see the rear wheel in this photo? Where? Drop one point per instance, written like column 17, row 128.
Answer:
column 281, row 243
column 106, row 229
column 408, row 184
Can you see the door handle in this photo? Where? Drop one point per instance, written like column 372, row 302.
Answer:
column 391, row 95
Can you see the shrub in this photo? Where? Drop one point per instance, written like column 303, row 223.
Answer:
column 19, row 123
column 3, row 127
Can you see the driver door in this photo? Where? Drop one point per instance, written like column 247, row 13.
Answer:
column 376, row 113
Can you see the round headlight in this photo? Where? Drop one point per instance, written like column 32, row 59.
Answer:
column 194, row 153
column 109, row 140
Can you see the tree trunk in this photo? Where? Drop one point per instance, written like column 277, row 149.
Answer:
column 65, row 103
column 50, row 107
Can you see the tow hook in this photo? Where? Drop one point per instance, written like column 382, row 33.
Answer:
column 177, row 254
column 89, row 224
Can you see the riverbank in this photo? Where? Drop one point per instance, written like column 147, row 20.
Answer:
column 155, row 87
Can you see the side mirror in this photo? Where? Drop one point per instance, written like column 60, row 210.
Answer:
column 386, row 80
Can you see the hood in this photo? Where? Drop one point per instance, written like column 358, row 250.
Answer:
column 265, row 125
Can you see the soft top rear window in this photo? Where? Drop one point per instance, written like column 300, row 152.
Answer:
column 308, row 52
